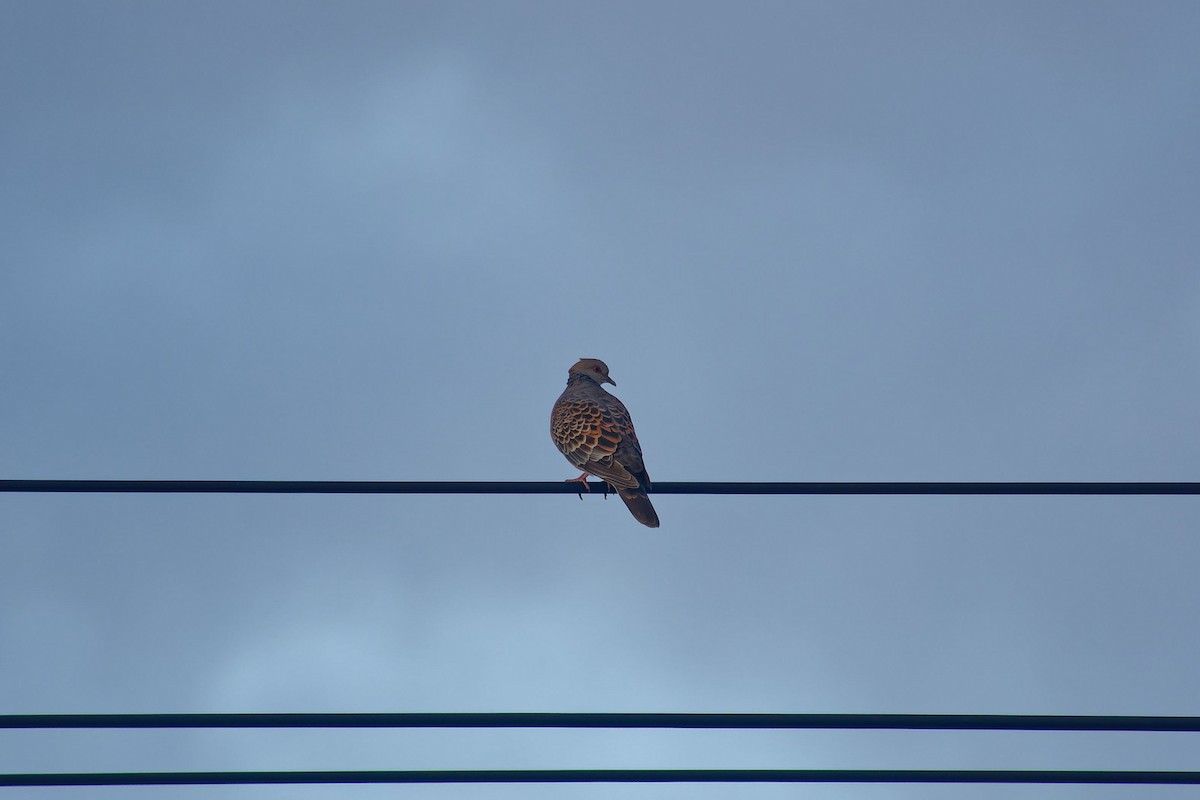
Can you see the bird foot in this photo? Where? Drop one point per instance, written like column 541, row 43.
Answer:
column 582, row 479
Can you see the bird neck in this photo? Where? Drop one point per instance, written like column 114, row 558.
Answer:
column 578, row 379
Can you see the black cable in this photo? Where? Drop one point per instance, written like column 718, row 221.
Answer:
column 979, row 722
column 570, row 487
column 603, row 776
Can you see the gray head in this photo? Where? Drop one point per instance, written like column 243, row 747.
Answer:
column 593, row 368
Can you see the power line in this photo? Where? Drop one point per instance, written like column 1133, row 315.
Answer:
column 604, row 776
column 570, row 487
column 980, row 722
column 994, row 722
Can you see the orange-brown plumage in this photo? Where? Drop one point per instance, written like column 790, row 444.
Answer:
column 593, row 429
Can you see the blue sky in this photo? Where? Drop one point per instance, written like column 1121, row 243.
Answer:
column 813, row 241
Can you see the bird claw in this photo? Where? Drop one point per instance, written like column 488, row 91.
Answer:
column 581, row 480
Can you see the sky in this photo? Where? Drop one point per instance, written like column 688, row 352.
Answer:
column 814, row 241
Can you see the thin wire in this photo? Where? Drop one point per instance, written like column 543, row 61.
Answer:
column 570, row 487
column 979, row 722
column 604, row 776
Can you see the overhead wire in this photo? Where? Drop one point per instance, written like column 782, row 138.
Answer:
column 572, row 487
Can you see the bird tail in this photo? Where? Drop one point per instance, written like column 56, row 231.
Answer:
column 639, row 505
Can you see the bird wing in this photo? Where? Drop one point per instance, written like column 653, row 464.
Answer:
column 598, row 438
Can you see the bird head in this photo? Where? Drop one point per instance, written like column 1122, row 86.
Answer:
column 594, row 368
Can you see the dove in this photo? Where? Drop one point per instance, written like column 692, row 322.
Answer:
column 593, row 429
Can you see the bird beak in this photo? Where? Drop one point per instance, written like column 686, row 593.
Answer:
column 609, row 380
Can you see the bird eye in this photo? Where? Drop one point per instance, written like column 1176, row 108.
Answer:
column 595, row 369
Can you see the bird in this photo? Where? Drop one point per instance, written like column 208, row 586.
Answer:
column 593, row 429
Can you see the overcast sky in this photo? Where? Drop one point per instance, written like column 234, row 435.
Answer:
column 812, row 240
